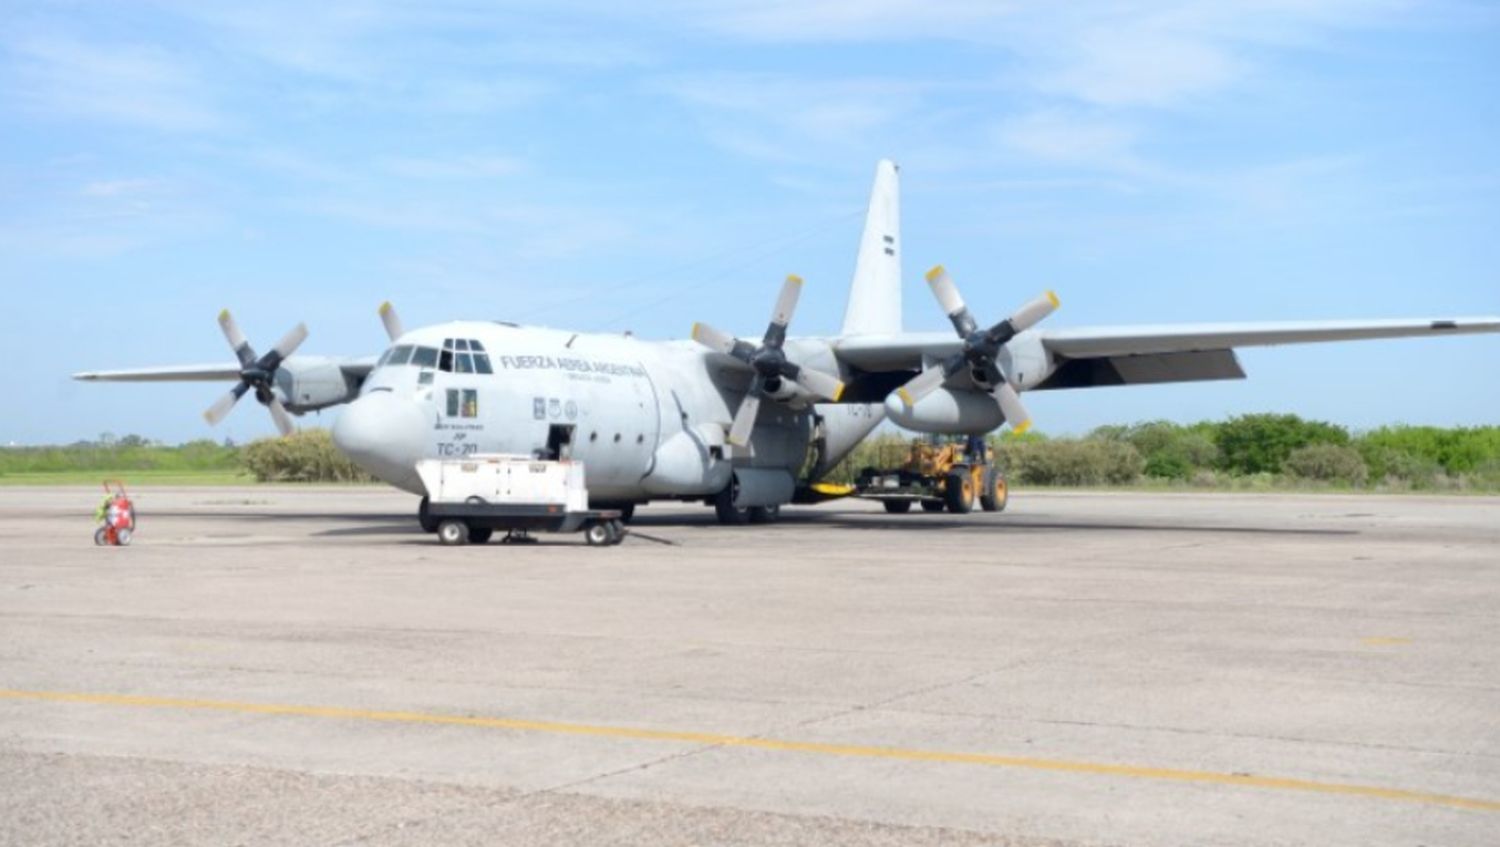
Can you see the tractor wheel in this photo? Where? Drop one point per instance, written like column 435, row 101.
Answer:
column 897, row 507
column 480, row 534
column 932, row 505
column 453, row 533
column 958, row 492
column 996, row 492
column 101, row 536
column 122, row 537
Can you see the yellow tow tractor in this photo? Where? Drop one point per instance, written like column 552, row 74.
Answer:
column 938, row 475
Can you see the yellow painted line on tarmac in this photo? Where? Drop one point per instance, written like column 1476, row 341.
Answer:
column 784, row 746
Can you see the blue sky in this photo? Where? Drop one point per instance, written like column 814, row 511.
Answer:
column 641, row 166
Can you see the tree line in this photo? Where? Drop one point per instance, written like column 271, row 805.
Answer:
column 1248, row 451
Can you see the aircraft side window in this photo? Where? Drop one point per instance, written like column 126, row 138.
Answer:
column 482, row 363
column 471, row 403
column 424, row 378
column 399, row 355
column 464, row 364
column 453, row 402
column 445, row 361
column 425, row 357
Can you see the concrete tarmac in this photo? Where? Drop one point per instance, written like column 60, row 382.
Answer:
column 270, row 665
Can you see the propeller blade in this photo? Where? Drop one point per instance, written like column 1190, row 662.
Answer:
column 1032, row 313
column 951, row 301
column 290, row 342
column 786, row 302
column 391, row 320
column 744, row 418
column 221, row 407
column 922, row 385
column 237, row 342
column 819, row 383
column 713, row 339
column 1012, row 407
column 280, row 416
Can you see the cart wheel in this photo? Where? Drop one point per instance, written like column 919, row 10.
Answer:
column 597, row 534
column 764, row 514
column 122, row 537
column 932, row 505
column 898, row 507
column 101, row 536
column 425, row 520
column 480, row 534
column 453, row 533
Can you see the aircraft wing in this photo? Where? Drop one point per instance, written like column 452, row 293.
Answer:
column 357, row 368
column 1132, row 355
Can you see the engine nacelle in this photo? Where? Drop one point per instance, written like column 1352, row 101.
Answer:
column 308, row 383
column 948, row 412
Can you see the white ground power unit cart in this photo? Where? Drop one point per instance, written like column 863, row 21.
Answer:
column 470, row 498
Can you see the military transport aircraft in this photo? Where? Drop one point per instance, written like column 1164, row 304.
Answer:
column 737, row 423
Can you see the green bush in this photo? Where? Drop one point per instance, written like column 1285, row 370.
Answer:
column 305, row 456
column 1171, row 451
column 1069, row 461
column 1252, row 444
column 1455, row 450
column 1327, row 463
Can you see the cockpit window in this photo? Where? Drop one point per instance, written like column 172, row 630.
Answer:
column 464, row 363
column 476, row 346
column 461, row 344
column 425, row 357
column 445, row 361
column 482, row 363
column 399, row 355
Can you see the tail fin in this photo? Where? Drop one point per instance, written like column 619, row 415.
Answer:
column 875, row 295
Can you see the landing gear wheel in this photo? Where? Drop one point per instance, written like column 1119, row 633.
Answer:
column 101, row 536
column 453, row 533
column 616, row 531
column 765, row 514
column 425, row 520
column 480, row 534
column 996, row 492
column 898, row 507
column 122, row 536
column 958, row 493
column 597, row 534
column 932, row 505
column 729, row 514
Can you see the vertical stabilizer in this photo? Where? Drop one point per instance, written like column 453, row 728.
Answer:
column 875, row 295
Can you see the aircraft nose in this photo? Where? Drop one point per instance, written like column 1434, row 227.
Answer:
column 385, row 435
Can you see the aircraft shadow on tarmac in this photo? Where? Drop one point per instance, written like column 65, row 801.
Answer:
column 369, row 525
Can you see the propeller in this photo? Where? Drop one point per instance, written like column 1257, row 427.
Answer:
column 768, row 362
column 257, row 373
column 391, row 320
column 981, row 348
